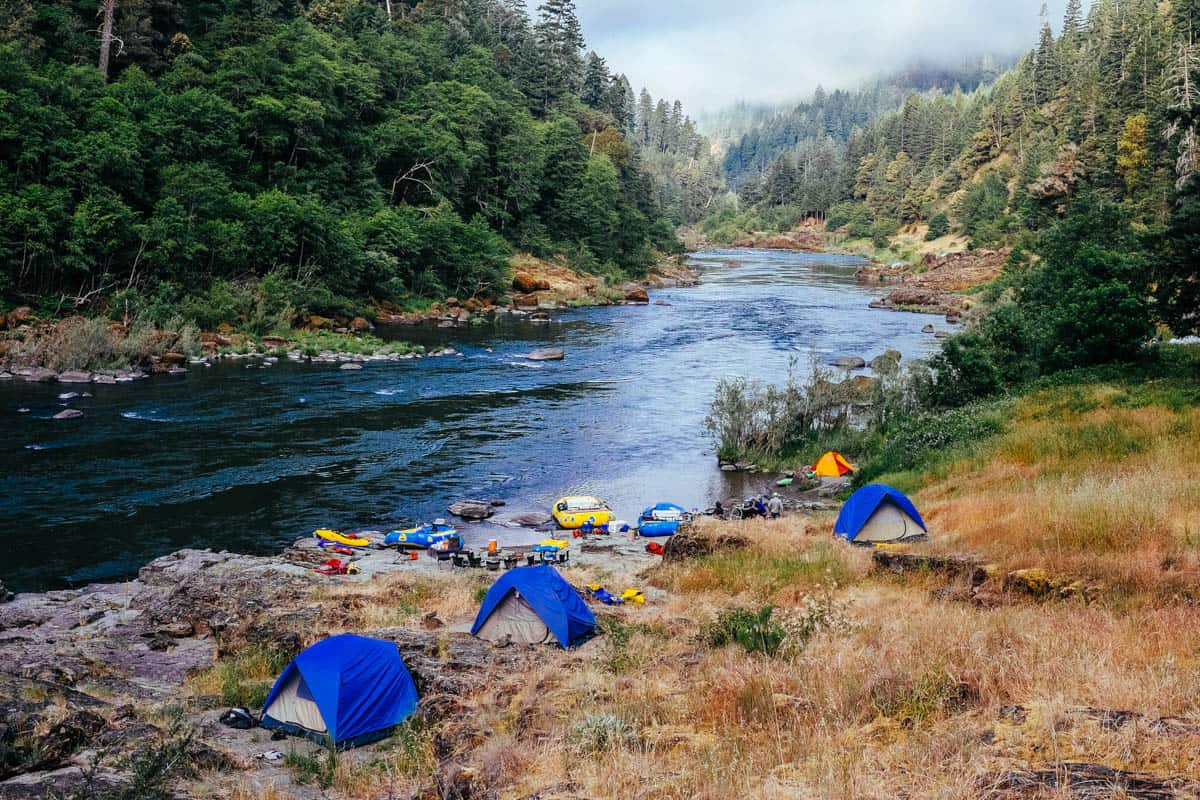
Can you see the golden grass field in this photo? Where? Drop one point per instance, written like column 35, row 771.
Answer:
column 904, row 685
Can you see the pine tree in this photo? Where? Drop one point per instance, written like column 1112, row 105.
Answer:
column 660, row 121
column 595, row 81
column 560, row 40
column 645, row 111
column 629, row 100
column 781, row 180
column 1072, row 19
column 1046, row 77
column 675, row 128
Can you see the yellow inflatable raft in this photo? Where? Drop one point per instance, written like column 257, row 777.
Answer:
column 574, row 512
column 341, row 538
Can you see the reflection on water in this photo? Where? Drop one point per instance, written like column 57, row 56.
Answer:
column 249, row 459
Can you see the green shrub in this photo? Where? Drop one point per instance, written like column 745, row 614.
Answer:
column 753, row 631
column 855, row 217
column 318, row 769
column 883, row 230
column 939, row 226
column 915, row 442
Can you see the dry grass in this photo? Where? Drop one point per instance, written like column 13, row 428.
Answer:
column 1108, row 494
column 396, row 599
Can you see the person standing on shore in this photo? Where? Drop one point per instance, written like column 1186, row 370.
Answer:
column 775, row 505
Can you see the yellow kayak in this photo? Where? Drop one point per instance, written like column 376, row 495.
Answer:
column 341, row 538
column 561, row 544
column 574, row 512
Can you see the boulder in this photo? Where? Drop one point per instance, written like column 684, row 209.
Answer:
column 472, row 509
column 525, row 283
column 38, row 375
column 75, row 376
column 927, row 329
column 546, row 354
column 524, row 519
column 351, row 365
column 525, row 300
column 5, row 594
column 639, row 296
column 942, row 335
column 69, row 413
column 360, row 325
column 170, row 358
column 849, row 362
column 317, row 323
column 274, row 342
column 19, row 316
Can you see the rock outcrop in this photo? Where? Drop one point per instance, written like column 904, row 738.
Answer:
column 935, row 284
column 472, row 509
column 546, row 354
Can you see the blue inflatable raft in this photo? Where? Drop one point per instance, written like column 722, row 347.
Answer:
column 661, row 520
column 421, row 537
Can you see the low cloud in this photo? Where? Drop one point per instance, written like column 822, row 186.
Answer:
column 710, row 54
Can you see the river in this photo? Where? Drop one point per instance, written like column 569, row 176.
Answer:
column 249, row 459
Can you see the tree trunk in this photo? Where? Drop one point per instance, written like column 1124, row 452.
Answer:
column 106, row 36
column 388, row 4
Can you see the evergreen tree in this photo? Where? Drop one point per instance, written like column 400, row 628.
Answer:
column 645, row 114
column 1046, row 75
column 560, row 40
column 596, row 80
column 1072, row 19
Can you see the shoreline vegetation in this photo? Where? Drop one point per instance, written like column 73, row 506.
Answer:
column 79, row 349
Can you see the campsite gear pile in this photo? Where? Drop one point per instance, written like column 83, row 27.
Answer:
column 239, row 718
column 598, row 591
column 334, row 566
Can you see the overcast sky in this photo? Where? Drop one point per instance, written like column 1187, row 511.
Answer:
column 711, row 53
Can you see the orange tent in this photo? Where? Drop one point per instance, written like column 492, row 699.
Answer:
column 832, row 465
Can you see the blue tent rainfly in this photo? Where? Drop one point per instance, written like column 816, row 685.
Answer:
column 347, row 689
column 531, row 605
column 879, row 513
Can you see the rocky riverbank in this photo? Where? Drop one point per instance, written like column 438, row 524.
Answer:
column 937, row 283
column 94, row 681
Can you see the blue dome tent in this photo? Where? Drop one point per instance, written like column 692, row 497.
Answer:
column 533, row 605
column 347, row 689
column 879, row 513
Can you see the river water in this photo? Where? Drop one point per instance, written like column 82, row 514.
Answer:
column 249, row 459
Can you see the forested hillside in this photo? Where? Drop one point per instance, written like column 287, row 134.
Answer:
column 230, row 160
column 814, row 129
column 1103, row 114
